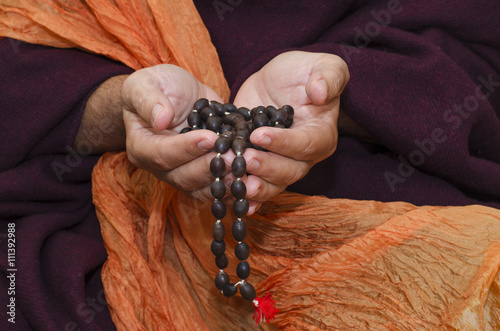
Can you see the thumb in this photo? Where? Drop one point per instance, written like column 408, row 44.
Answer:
column 328, row 79
column 148, row 102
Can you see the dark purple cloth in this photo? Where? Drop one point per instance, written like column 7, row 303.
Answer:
column 424, row 81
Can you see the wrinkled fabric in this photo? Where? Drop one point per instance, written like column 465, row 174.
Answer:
column 138, row 33
column 330, row 264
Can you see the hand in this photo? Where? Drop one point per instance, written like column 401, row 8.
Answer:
column 156, row 103
column 311, row 83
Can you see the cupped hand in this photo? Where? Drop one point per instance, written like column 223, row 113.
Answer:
column 311, row 83
column 156, row 103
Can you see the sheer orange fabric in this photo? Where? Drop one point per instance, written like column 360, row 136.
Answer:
column 329, row 264
column 139, row 33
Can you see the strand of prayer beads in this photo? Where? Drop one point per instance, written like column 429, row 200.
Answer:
column 234, row 126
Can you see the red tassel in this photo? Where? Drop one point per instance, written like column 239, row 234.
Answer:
column 264, row 309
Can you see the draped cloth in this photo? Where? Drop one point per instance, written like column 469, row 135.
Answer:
column 329, row 264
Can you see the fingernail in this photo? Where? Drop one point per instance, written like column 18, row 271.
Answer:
column 263, row 141
column 205, row 145
column 156, row 111
column 253, row 165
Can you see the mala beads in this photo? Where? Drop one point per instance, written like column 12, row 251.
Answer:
column 234, row 126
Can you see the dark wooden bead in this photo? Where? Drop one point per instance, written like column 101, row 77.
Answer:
column 228, row 119
column 225, row 128
column 289, row 121
column 279, row 116
column 279, row 125
column 221, row 280
column 270, row 110
column 219, row 209
column 245, row 134
column 219, row 109
column 218, row 189
column 194, row 119
column 206, row 113
column 245, row 112
column 239, row 166
column 203, row 125
column 250, row 126
column 214, row 123
column 229, row 290
column 221, row 261
column 217, row 167
column 238, row 189
column 257, row 110
column 243, row 270
column 222, row 144
column 240, row 124
column 218, row 247
column 242, row 251
column 239, row 230
column 230, row 108
column 260, row 120
column 247, row 291
column 239, row 145
column 228, row 134
column 289, row 110
column 200, row 104
column 185, row 130
column 219, row 231
column 240, row 207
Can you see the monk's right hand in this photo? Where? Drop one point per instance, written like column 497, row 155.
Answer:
column 156, row 103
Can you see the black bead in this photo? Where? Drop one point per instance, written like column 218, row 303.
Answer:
column 185, row 130
column 240, row 207
column 239, row 145
column 260, row 120
column 239, row 166
column 218, row 247
column 243, row 270
column 219, row 231
column 206, row 113
column 289, row 110
column 230, row 108
column 194, row 119
column 225, row 128
column 200, row 104
column 229, row 290
column 244, row 133
column 279, row 116
column 240, row 124
column 217, row 167
column 219, row 109
column 247, row 291
column 219, row 209
column 238, row 189
column 242, row 251
column 245, row 112
column 257, row 110
column 214, row 123
column 289, row 121
column 218, row 189
column 239, row 230
column 228, row 119
column 229, row 133
column 221, row 280
column 250, row 126
column 222, row 144
column 270, row 110
column 221, row 261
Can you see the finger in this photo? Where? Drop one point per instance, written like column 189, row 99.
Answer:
column 275, row 168
column 327, row 80
column 143, row 97
column 259, row 190
column 313, row 140
column 165, row 151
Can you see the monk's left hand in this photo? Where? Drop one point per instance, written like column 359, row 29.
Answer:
column 311, row 83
